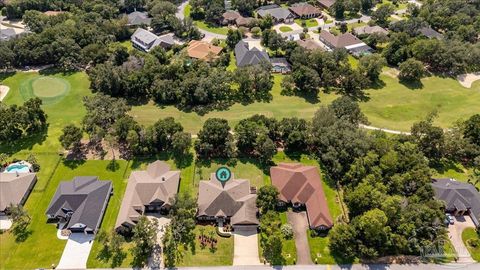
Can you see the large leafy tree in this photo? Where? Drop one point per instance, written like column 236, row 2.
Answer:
column 71, row 136
column 267, row 198
column 214, row 139
column 144, row 239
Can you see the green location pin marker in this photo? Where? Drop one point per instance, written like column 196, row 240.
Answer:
column 223, row 174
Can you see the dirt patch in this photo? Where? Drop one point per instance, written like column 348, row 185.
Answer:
column 3, row 91
column 466, row 80
column 392, row 72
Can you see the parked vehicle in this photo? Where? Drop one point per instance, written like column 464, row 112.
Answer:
column 450, row 219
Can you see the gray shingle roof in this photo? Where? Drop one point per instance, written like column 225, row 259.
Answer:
column 14, row 188
column 278, row 13
column 430, row 33
column 7, row 34
column 138, row 18
column 245, row 56
column 458, row 196
column 83, row 199
column 146, row 40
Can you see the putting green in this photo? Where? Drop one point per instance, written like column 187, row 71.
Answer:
column 48, row 88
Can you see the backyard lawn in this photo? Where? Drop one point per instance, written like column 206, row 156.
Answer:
column 221, row 254
column 203, row 25
column 472, row 242
column 308, row 23
column 241, row 169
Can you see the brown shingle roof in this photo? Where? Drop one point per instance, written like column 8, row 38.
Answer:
column 232, row 200
column 157, row 184
column 203, row 50
column 326, row 3
column 309, row 44
column 302, row 184
column 304, row 9
column 340, row 41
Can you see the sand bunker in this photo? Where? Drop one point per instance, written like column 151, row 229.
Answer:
column 466, row 80
column 3, row 91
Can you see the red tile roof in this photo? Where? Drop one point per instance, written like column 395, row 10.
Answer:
column 297, row 183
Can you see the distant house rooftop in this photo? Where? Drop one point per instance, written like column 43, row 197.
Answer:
column 7, row 34
column 305, row 10
column 203, row 50
column 148, row 190
column 430, row 33
column 278, row 13
column 369, row 30
column 459, row 198
column 15, row 188
column 348, row 41
column 138, row 18
column 309, row 44
column 145, row 40
column 300, row 184
column 326, row 3
column 53, row 12
column 79, row 205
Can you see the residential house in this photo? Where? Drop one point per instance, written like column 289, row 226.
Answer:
column 430, row 33
column 279, row 14
column 53, row 12
column 138, row 18
column 15, row 189
column 326, row 4
column 235, row 18
column 459, row 198
column 231, row 202
column 301, row 186
column 146, row 41
column 368, row 30
column 79, row 205
column 305, row 11
column 7, row 34
column 151, row 190
column 347, row 41
column 246, row 56
column 280, row 65
column 309, row 44
column 203, row 50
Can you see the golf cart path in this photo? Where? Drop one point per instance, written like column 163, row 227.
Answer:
column 466, row 80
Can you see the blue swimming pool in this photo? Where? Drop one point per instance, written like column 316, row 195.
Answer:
column 21, row 168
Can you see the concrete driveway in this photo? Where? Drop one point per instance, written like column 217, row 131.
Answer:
column 245, row 251
column 75, row 254
column 455, row 235
column 299, row 222
column 155, row 261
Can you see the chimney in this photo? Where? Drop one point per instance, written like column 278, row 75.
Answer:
column 16, row 172
column 163, row 179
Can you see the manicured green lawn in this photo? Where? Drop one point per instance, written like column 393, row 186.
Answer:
column 285, row 29
column 69, row 109
column 42, row 248
column 232, row 65
column 279, row 107
column 241, row 169
column 469, row 236
column 308, row 23
column 221, row 255
column 204, row 26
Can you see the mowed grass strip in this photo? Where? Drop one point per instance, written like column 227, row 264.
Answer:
column 471, row 239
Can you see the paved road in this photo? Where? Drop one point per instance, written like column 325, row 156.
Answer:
column 456, row 266
column 299, row 222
